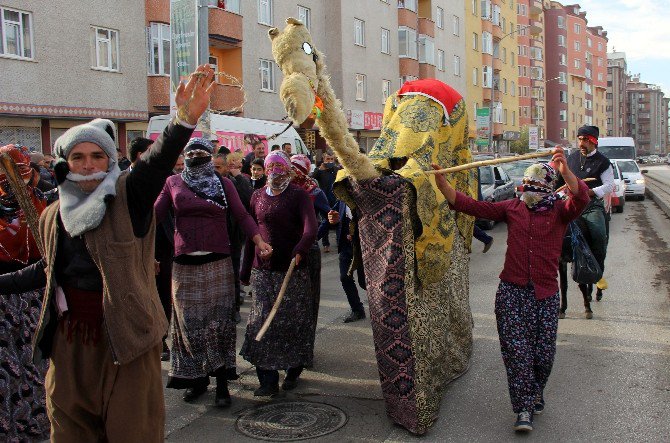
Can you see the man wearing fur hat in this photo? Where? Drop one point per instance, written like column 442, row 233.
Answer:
column 102, row 323
column 589, row 163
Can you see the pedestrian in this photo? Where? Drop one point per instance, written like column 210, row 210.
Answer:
column 23, row 415
column 137, row 148
column 275, row 148
column 179, row 165
column 347, row 231
column 527, row 300
column 288, row 150
column 257, row 151
column 203, row 286
column 258, row 178
column 123, row 162
column 325, row 176
column 102, row 324
column 587, row 162
column 285, row 216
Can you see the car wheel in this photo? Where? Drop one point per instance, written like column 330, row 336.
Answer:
column 642, row 197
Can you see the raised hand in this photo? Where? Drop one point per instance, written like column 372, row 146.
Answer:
column 192, row 98
column 333, row 217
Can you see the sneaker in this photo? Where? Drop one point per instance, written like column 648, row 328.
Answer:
column 524, row 422
column 588, row 314
column 539, row 405
column 354, row 316
column 488, row 246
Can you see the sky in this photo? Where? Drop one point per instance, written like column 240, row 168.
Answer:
column 640, row 29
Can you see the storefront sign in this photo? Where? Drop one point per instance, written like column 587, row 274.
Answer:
column 184, row 42
column 483, row 126
column 533, row 138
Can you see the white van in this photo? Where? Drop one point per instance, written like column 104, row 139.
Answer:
column 239, row 133
column 615, row 148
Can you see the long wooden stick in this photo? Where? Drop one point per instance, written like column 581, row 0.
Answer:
column 8, row 167
column 495, row 161
column 275, row 308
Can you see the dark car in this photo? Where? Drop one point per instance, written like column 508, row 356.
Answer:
column 496, row 186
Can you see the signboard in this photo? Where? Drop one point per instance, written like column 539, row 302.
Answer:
column 371, row 121
column 184, row 42
column 483, row 126
column 533, row 138
column 511, row 135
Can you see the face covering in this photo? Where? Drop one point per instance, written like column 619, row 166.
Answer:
column 197, row 161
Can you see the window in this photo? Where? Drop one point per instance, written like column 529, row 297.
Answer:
column 475, row 41
column 536, row 73
column 504, row 88
column 486, row 8
column 589, row 42
column 386, row 90
column 361, row 87
column 564, row 133
column 407, row 43
column 265, row 12
column 600, row 46
column 106, row 44
column 503, row 24
column 536, row 53
column 521, row 10
column 386, row 41
column 359, row 32
column 562, row 78
column 600, row 76
column 578, row 28
column 267, row 72
column 305, row 16
column 456, row 25
column 578, row 63
column 561, row 40
column 457, row 66
column 496, row 15
column 560, row 22
column 504, row 55
column 16, row 32
column 214, row 62
column 487, row 42
column 578, row 46
column 440, row 60
column 563, row 96
column 228, row 5
column 512, row 89
column 426, row 50
column 475, row 76
column 562, row 59
column 407, row 4
column 159, row 49
column 563, row 115
column 474, row 7
column 512, row 59
column 439, row 18
column 487, row 77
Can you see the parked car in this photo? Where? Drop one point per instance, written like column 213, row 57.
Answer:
column 515, row 171
column 633, row 178
column 618, row 198
column 496, row 186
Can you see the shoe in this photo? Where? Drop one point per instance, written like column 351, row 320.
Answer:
column 222, row 397
column 165, row 355
column 291, row 380
column 488, row 246
column 539, row 405
column 326, row 249
column 524, row 422
column 561, row 314
column 192, row 394
column 354, row 316
column 267, row 391
column 588, row 315
column 599, row 294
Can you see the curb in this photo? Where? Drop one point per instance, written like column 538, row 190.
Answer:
column 657, row 194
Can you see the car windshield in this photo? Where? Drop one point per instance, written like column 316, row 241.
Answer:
column 617, row 151
column 486, row 175
column 516, row 169
column 629, row 166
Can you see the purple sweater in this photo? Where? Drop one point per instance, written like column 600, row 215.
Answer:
column 287, row 222
column 199, row 224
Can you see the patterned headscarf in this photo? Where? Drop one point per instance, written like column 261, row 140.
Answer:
column 538, row 187
column 301, row 166
column 200, row 176
column 278, row 170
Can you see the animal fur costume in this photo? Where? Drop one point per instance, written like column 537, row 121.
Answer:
column 414, row 248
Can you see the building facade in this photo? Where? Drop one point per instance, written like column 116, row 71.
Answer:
column 95, row 66
column 617, row 98
column 647, row 117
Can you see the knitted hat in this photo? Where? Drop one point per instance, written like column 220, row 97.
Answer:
column 199, row 143
column 301, row 162
column 590, row 132
column 99, row 131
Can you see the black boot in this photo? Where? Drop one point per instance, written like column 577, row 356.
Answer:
column 165, row 355
column 291, row 380
column 269, row 380
column 192, row 393
column 222, row 397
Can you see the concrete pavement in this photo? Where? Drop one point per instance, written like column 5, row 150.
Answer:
column 658, row 185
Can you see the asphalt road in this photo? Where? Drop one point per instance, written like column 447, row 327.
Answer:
column 611, row 378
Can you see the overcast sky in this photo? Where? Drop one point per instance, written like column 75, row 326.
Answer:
column 641, row 29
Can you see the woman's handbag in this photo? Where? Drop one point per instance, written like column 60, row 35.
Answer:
column 585, row 268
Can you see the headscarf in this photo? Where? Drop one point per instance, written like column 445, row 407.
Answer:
column 278, row 170
column 199, row 173
column 538, row 187
column 81, row 211
column 16, row 241
column 301, row 166
column 590, row 132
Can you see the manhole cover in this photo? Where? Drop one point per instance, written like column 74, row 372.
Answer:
column 290, row 421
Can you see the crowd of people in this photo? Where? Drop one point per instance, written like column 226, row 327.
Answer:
column 172, row 238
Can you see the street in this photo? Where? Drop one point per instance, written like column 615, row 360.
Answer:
column 610, row 380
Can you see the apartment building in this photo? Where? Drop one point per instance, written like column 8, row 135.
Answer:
column 617, row 98
column 60, row 68
column 491, row 60
column 580, row 64
column 647, row 117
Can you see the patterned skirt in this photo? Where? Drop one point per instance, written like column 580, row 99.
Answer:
column 288, row 343
column 23, row 415
column 203, row 325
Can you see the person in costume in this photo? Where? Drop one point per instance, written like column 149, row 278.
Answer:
column 203, row 280
column 23, row 415
column 527, row 300
column 285, row 216
column 587, row 162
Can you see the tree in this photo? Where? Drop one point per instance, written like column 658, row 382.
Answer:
column 520, row 146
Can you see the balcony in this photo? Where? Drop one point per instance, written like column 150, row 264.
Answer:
column 407, row 18
column 225, row 26
column 536, row 7
column 426, row 70
column 158, row 93
column 408, row 66
column 157, row 11
column 426, row 27
column 225, row 98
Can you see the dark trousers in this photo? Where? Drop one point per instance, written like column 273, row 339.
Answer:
column 482, row 236
column 348, row 283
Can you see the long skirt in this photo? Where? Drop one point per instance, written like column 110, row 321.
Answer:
column 203, row 325
column 23, row 416
column 314, row 267
column 527, row 330
column 288, row 341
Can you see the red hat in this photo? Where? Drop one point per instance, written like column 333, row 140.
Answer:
column 442, row 93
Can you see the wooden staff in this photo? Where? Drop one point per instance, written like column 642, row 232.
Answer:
column 587, row 179
column 495, row 161
column 8, row 167
column 275, row 308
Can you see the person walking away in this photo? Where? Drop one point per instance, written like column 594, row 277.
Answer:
column 527, row 300
column 285, row 216
column 325, row 176
column 203, row 286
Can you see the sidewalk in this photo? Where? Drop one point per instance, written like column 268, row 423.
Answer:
column 658, row 189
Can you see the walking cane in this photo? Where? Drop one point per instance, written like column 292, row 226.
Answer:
column 8, row 167
column 495, row 161
column 275, row 308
